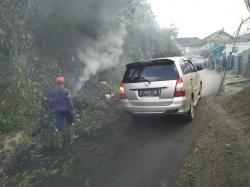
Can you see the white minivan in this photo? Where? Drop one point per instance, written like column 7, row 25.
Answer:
column 162, row 86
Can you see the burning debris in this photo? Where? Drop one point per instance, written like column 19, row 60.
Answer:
column 103, row 54
column 95, row 31
column 87, row 33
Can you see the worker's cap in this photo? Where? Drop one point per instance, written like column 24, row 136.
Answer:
column 60, row 80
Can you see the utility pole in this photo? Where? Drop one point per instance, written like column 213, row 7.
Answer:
column 247, row 4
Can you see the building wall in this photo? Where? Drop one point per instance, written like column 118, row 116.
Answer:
column 236, row 66
column 199, row 49
column 244, row 62
column 240, row 48
column 241, row 63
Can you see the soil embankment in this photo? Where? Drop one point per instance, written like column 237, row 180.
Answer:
column 220, row 154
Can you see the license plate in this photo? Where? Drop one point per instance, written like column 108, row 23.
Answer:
column 148, row 93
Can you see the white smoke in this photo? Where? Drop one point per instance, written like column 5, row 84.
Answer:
column 101, row 55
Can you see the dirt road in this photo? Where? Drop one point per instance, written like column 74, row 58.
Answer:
column 141, row 153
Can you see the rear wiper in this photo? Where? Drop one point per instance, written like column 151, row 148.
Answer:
column 144, row 79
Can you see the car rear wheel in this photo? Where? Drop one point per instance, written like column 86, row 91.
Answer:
column 190, row 113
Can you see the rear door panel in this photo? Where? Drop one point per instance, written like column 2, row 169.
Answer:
column 149, row 78
column 166, row 93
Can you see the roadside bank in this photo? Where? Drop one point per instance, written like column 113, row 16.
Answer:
column 220, row 154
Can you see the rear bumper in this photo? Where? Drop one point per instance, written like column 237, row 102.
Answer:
column 179, row 106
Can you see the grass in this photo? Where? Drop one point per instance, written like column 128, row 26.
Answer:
column 192, row 175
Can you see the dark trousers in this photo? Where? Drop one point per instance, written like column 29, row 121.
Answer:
column 60, row 116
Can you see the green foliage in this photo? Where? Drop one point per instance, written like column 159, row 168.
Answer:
column 38, row 42
column 145, row 39
column 20, row 95
column 192, row 175
column 7, row 124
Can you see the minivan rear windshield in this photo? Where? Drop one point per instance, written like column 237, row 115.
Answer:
column 150, row 73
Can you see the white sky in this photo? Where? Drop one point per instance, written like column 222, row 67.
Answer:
column 200, row 18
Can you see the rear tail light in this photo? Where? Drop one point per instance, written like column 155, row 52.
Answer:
column 122, row 94
column 179, row 88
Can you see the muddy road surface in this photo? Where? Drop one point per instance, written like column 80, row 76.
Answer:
column 143, row 153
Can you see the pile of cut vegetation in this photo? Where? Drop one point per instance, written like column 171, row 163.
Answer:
column 239, row 104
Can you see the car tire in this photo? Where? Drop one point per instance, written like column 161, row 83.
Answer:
column 190, row 114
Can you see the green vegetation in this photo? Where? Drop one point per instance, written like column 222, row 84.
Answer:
column 40, row 40
column 37, row 44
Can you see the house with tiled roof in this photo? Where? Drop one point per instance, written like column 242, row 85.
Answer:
column 188, row 44
column 219, row 37
column 196, row 46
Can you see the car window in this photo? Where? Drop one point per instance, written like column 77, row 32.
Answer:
column 191, row 67
column 151, row 73
column 185, row 68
